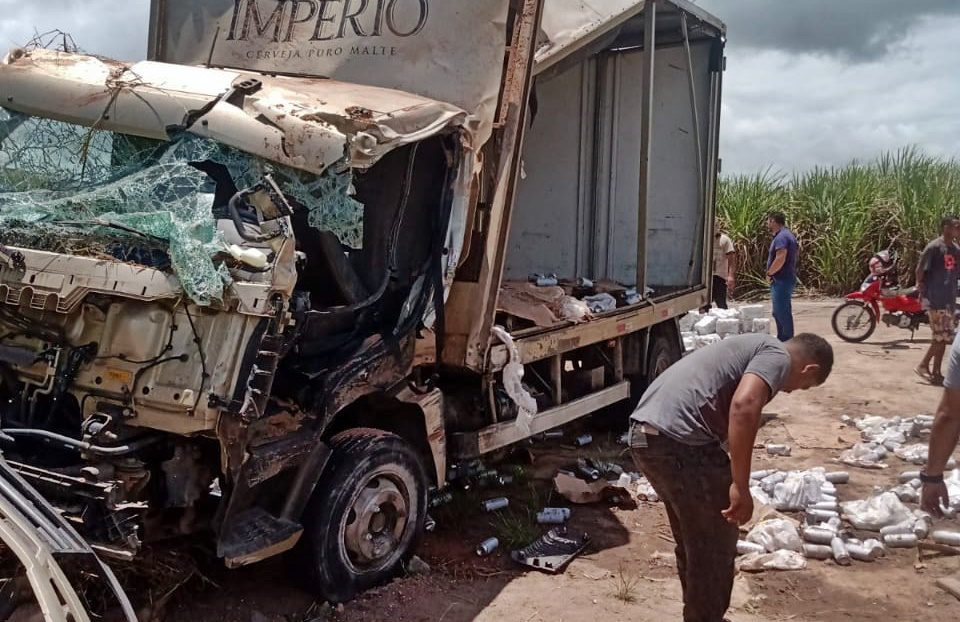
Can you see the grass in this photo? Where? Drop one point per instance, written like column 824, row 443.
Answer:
column 625, row 586
column 841, row 216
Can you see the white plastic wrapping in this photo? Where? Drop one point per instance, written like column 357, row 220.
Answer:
column 688, row 321
column 761, row 326
column 776, row 534
column 915, row 453
column 876, row 512
column 705, row 340
column 574, row 310
column 778, row 560
column 865, row 456
column 707, row 325
column 513, row 382
column 798, row 491
column 728, row 327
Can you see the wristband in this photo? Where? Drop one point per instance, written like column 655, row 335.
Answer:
column 931, row 479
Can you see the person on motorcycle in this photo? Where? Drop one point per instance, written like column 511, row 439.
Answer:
column 937, row 275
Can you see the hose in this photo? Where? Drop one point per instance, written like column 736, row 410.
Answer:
column 72, row 443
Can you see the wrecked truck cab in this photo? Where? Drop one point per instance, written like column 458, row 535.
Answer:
column 199, row 269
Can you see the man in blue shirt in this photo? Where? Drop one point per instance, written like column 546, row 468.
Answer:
column 782, row 272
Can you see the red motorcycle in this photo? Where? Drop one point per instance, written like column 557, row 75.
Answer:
column 857, row 318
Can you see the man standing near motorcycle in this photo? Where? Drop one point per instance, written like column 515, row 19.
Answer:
column 782, row 272
column 937, row 275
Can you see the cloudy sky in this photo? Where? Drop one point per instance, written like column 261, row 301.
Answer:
column 809, row 82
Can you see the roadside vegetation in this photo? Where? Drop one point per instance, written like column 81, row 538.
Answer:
column 841, row 216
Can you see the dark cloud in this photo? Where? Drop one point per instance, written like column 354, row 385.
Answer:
column 855, row 30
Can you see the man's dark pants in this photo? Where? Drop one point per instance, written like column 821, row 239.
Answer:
column 694, row 484
column 720, row 291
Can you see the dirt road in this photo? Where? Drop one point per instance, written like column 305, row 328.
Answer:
column 631, row 552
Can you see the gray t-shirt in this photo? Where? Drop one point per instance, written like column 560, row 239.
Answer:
column 940, row 263
column 690, row 402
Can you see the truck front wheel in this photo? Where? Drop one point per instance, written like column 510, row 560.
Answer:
column 663, row 353
column 366, row 515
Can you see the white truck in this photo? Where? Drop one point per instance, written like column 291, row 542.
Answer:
column 281, row 280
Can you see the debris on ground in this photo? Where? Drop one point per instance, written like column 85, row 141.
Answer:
column 582, row 492
column 417, row 566
column 776, row 534
column 865, row 456
column 700, row 330
column 487, row 547
column 552, row 551
column 778, row 560
column 876, row 512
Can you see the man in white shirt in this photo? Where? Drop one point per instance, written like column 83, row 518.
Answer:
column 724, row 268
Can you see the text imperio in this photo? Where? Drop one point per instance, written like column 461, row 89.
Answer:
column 280, row 20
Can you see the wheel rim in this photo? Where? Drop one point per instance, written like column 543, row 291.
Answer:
column 854, row 321
column 373, row 527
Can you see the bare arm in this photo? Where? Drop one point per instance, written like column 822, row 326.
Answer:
column 778, row 261
column 732, row 267
column 943, row 440
column 751, row 395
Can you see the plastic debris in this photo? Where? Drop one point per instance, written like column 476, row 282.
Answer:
column 916, row 453
column 727, row 327
column 645, row 491
column 797, row 490
column 702, row 341
column 601, row 303
column 864, row 455
column 581, row 492
column 762, row 326
column 513, row 382
column 552, row 551
column 573, row 310
column 745, row 548
column 707, row 325
column 776, row 534
column 778, row 560
column 778, row 450
column 877, row 512
column 688, row 321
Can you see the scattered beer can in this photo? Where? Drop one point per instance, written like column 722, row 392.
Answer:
column 492, row 505
column 487, row 547
column 778, row 450
column 583, row 440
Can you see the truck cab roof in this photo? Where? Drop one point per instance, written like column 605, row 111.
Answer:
column 305, row 123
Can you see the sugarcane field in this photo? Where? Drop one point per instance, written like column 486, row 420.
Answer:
column 524, row 310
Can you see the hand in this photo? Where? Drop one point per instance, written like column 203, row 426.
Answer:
column 932, row 496
column 731, row 283
column 741, row 506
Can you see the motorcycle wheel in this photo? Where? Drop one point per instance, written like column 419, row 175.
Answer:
column 854, row 321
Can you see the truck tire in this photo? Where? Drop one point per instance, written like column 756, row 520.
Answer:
column 366, row 515
column 663, row 353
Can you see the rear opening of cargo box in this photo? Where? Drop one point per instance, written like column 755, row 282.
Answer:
column 578, row 210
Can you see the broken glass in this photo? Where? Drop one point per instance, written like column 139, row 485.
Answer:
column 72, row 189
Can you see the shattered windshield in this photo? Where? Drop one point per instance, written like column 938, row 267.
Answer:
column 72, row 189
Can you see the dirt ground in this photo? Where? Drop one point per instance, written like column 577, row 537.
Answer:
column 632, row 546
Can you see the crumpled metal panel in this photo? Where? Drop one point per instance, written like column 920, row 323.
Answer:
column 447, row 51
column 307, row 124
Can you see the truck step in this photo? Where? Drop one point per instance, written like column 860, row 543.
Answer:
column 255, row 534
